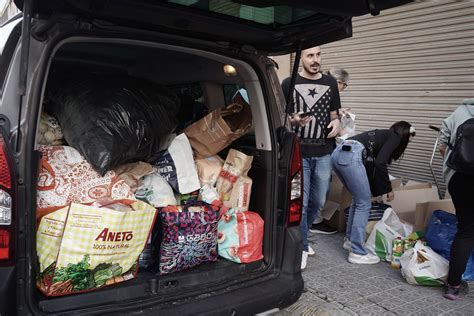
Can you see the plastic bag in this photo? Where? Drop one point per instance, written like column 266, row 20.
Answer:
column 66, row 177
column 156, row 191
column 385, row 231
column 440, row 234
column 176, row 165
column 422, row 266
column 240, row 236
column 112, row 120
column 347, row 126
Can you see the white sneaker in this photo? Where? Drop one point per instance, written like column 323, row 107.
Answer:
column 311, row 251
column 347, row 244
column 363, row 259
column 304, row 260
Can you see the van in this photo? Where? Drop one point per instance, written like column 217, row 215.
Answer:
column 188, row 46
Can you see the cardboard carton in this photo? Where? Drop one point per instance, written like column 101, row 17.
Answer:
column 425, row 210
column 406, row 199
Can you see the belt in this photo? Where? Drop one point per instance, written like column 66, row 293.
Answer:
column 319, row 142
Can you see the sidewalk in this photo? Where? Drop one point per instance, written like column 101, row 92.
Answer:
column 333, row 286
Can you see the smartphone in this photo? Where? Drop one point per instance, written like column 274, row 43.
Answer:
column 346, row 148
column 305, row 114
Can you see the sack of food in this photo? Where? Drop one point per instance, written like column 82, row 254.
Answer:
column 82, row 248
column 385, row 231
column 176, row 165
column 187, row 237
column 156, row 191
column 219, row 129
column 237, row 164
column 422, row 266
column 208, row 169
column 240, row 236
column 50, row 132
column 66, row 177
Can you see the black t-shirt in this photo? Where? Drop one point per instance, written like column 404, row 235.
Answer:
column 386, row 142
column 320, row 97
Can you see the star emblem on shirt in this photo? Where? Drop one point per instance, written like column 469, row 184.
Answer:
column 312, row 92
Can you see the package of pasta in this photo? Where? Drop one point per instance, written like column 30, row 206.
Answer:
column 236, row 165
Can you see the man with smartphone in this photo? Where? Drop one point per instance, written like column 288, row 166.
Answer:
column 314, row 118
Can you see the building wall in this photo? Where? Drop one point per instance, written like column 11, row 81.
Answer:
column 413, row 63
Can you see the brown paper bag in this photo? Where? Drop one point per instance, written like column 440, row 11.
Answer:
column 219, row 129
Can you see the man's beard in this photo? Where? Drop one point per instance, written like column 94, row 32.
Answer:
column 311, row 68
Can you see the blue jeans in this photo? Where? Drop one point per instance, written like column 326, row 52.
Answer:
column 317, row 178
column 349, row 167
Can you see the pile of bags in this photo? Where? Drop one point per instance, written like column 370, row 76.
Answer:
column 125, row 187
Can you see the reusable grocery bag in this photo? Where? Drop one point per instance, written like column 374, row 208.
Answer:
column 188, row 236
column 66, row 177
column 440, row 234
column 240, row 236
column 422, row 266
column 385, row 231
column 83, row 248
column 219, row 129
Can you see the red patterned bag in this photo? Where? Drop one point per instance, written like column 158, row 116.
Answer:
column 66, row 177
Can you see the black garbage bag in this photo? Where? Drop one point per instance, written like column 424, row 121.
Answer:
column 112, row 120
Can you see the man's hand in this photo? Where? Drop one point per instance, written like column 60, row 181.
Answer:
column 335, row 126
column 297, row 120
column 390, row 196
column 442, row 149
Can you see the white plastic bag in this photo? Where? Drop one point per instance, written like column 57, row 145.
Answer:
column 347, row 126
column 156, row 191
column 422, row 266
column 176, row 165
column 385, row 231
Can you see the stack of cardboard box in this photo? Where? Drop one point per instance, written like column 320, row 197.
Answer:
column 414, row 203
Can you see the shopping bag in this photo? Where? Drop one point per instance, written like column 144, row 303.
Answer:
column 240, row 236
column 422, row 266
column 66, row 177
column 440, row 234
column 219, row 129
column 385, row 231
column 82, row 248
column 187, row 236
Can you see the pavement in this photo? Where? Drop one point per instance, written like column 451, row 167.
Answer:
column 333, row 286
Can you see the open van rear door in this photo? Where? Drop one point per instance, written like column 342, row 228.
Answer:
column 275, row 27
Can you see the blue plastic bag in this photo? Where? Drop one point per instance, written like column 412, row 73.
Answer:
column 440, row 235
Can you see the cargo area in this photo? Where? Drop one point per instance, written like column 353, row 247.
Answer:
column 201, row 83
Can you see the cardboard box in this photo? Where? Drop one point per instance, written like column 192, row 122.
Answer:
column 340, row 196
column 425, row 210
column 405, row 201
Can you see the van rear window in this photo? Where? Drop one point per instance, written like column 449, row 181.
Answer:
column 281, row 15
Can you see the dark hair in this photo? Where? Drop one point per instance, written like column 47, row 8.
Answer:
column 402, row 129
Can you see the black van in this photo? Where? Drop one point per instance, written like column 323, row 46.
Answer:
column 183, row 44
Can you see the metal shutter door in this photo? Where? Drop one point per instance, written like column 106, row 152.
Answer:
column 413, row 63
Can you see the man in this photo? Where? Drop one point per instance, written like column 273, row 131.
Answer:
column 314, row 117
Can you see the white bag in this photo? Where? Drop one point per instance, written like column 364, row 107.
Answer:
column 422, row 266
column 156, row 191
column 385, row 231
column 176, row 165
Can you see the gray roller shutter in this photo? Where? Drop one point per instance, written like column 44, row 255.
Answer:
column 413, row 63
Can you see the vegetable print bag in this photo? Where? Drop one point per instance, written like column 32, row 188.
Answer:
column 82, row 248
column 189, row 236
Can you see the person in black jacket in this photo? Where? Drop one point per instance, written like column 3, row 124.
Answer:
column 361, row 163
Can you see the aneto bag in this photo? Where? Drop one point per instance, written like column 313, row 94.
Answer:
column 82, row 248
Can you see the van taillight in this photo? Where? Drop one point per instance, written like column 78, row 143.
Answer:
column 295, row 186
column 7, row 194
